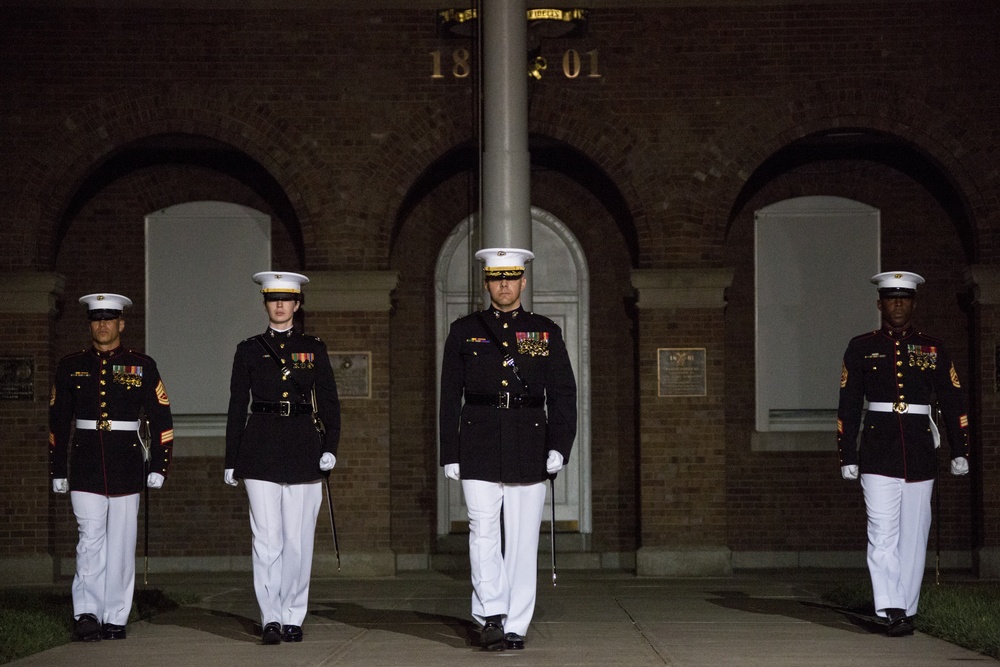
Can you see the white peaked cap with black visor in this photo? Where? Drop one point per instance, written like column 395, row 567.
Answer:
column 897, row 283
column 105, row 306
column 504, row 262
column 280, row 285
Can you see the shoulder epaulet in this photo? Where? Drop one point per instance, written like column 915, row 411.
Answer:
column 73, row 354
column 865, row 335
column 937, row 340
column 544, row 317
column 139, row 354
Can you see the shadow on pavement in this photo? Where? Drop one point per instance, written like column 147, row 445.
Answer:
column 457, row 632
column 219, row 623
column 801, row 610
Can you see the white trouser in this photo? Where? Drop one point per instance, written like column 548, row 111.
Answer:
column 899, row 520
column 105, row 555
column 504, row 583
column 283, row 521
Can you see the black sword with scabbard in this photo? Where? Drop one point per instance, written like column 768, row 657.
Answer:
column 333, row 523
column 144, row 440
column 937, row 514
column 552, row 526
column 321, row 429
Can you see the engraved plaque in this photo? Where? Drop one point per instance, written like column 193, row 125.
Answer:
column 17, row 378
column 352, row 370
column 681, row 371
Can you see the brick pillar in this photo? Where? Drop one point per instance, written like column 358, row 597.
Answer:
column 27, row 311
column 682, row 439
column 349, row 310
column 985, row 407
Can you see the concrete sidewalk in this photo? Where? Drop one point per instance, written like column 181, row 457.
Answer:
column 591, row 618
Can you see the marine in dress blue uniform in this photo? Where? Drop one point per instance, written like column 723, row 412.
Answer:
column 507, row 422
column 899, row 371
column 272, row 443
column 95, row 406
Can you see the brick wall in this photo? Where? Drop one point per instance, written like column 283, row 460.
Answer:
column 360, row 481
column 339, row 109
column 985, row 491
column 25, row 465
column 683, row 458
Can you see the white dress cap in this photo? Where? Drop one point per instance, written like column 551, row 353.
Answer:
column 280, row 282
column 504, row 261
column 897, row 281
column 105, row 306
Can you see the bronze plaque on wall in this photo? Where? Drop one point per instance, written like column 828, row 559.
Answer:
column 17, row 378
column 352, row 370
column 681, row 371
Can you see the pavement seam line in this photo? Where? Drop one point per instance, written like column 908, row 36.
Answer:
column 642, row 634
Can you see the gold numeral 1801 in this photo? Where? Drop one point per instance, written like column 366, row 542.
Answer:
column 572, row 64
column 460, row 67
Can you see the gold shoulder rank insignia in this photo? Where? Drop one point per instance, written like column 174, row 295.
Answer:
column 954, row 377
column 843, row 375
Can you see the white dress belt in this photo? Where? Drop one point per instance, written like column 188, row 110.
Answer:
column 107, row 425
column 909, row 409
column 900, row 407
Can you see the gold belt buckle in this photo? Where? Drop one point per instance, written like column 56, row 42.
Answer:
column 103, row 425
column 900, row 407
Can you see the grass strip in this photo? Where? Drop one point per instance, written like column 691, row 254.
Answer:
column 37, row 619
column 964, row 613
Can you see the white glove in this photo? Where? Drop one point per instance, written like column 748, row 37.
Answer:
column 230, row 479
column 849, row 472
column 327, row 461
column 960, row 466
column 60, row 485
column 554, row 463
column 154, row 480
column 451, row 471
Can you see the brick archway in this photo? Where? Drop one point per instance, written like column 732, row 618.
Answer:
column 735, row 154
column 96, row 132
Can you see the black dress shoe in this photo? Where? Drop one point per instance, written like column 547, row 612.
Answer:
column 491, row 638
column 110, row 631
column 513, row 641
column 271, row 634
column 291, row 633
column 86, row 629
column 899, row 624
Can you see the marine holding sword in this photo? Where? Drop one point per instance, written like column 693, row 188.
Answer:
column 507, row 423
column 102, row 392
column 282, row 451
column 898, row 371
